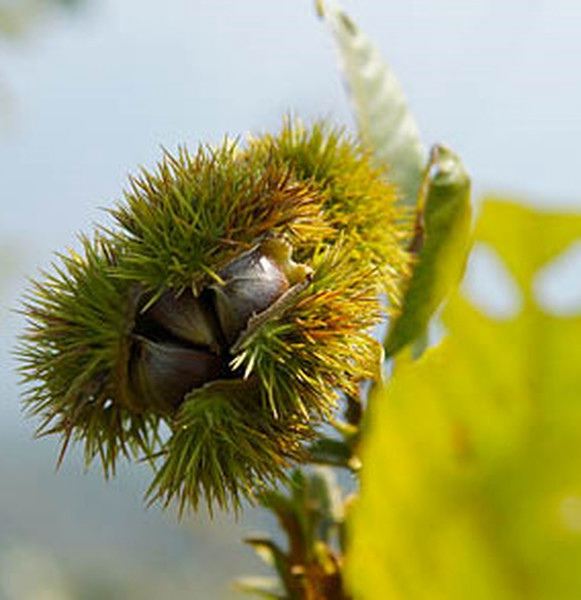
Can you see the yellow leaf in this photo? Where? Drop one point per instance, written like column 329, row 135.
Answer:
column 471, row 486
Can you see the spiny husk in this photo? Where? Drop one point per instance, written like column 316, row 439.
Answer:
column 359, row 200
column 215, row 236
column 225, row 448
column 180, row 225
column 73, row 357
column 318, row 345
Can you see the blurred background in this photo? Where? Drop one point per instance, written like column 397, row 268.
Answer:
column 90, row 89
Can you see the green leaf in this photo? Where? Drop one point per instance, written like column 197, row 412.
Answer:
column 471, row 486
column 272, row 555
column 266, row 549
column 261, row 587
column 332, row 452
column 441, row 243
column 311, row 516
column 385, row 122
column 325, row 502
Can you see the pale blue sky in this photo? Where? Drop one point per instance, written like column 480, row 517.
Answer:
column 98, row 92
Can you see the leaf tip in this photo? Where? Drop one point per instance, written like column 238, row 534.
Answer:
column 320, row 8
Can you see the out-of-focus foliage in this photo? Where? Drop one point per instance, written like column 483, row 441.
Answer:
column 441, row 243
column 17, row 16
column 386, row 124
column 472, row 480
column 311, row 516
